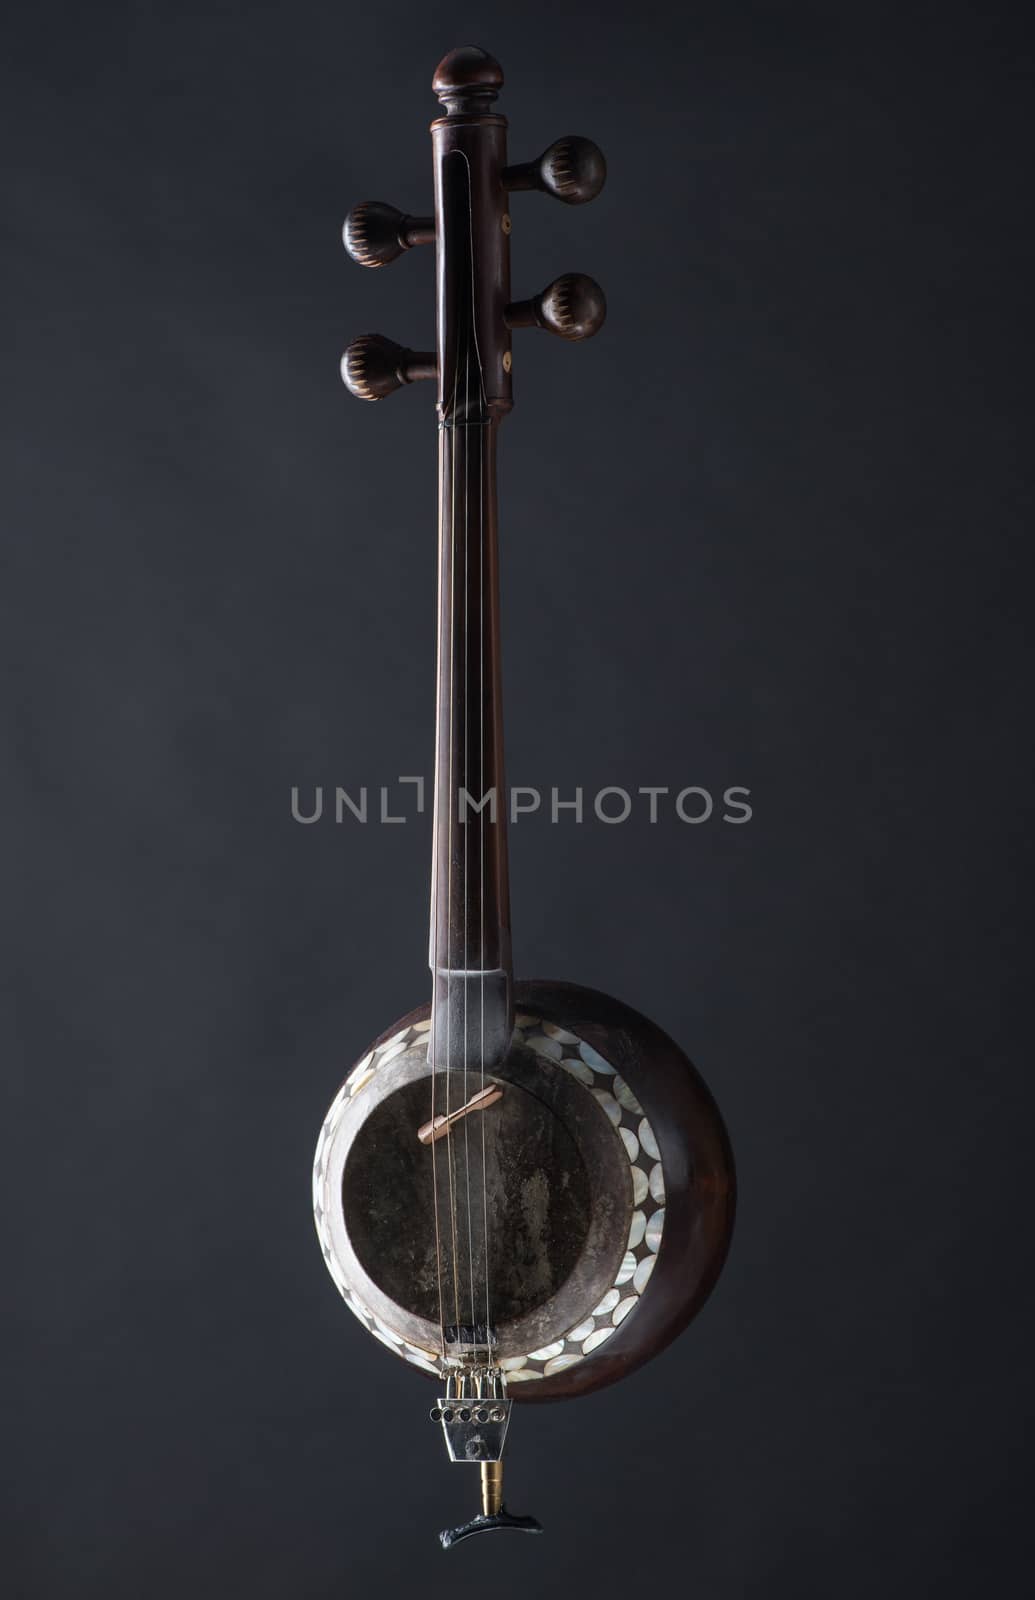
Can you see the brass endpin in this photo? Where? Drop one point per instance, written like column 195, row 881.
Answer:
column 440, row 1125
column 492, row 1488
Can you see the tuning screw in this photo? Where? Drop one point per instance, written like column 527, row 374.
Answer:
column 373, row 366
column 572, row 307
column 572, row 170
column 375, row 233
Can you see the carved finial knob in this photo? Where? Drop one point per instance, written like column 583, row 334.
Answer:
column 572, row 170
column 373, row 366
column 573, row 307
column 467, row 79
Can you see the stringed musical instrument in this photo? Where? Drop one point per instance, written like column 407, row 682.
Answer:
column 524, row 1190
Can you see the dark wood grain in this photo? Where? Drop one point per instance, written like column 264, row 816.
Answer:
column 470, row 926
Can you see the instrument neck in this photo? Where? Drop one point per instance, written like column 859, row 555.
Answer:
column 472, row 1016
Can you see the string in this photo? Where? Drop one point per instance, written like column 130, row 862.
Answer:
column 450, row 803
column 436, row 910
column 467, row 738
column 481, row 869
column 480, row 433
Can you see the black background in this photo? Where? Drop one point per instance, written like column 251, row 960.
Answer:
column 766, row 530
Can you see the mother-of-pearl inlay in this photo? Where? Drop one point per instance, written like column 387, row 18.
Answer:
column 625, row 1114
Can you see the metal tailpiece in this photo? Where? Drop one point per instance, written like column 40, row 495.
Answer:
column 475, row 1415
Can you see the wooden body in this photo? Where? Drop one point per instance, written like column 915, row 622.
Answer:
column 699, row 1201
column 700, row 1177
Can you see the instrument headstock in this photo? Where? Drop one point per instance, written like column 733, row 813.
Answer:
column 572, row 170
